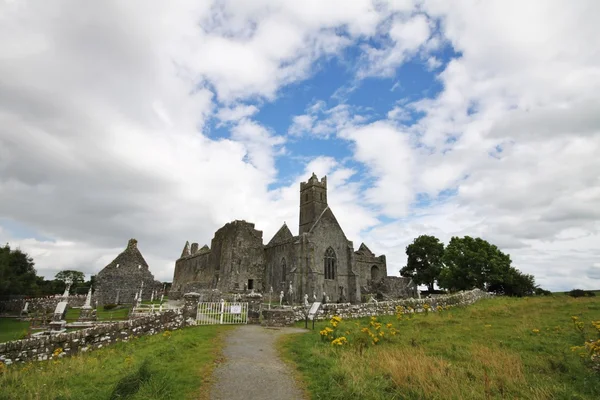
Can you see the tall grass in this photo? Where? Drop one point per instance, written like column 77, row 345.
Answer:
column 486, row 351
column 172, row 365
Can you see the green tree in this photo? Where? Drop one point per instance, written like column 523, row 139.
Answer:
column 17, row 272
column 76, row 277
column 425, row 260
column 475, row 263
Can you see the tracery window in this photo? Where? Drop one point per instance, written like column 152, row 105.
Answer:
column 329, row 263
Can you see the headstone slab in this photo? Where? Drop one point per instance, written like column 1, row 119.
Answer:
column 60, row 311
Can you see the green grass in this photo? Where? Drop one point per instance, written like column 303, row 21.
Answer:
column 175, row 366
column 484, row 351
column 116, row 314
column 12, row 329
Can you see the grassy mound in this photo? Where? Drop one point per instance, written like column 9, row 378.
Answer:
column 170, row 365
column 527, row 348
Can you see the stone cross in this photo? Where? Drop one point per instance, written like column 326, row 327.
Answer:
column 162, row 296
column 25, row 308
column 117, row 299
column 291, row 293
column 418, row 293
column 314, row 297
column 68, row 282
column 281, row 298
column 306, row 300
column 152, row 297
column 88, row 299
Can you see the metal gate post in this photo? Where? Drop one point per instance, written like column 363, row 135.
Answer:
column 222, row 308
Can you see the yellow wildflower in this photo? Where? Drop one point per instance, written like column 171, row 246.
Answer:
column 339, row 341
column 382, row 333
column 388, row 325
column 536, row 331
column 488, row 326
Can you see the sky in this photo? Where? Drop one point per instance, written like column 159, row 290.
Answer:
column 162, row 121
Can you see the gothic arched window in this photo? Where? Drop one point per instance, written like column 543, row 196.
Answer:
column 329, row 263
column 283, row 269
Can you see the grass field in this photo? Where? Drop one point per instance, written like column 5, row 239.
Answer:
column 116, row 314
column 174, row 365
column 12, row 329
column 497, row 348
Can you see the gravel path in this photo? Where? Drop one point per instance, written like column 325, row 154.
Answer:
column 252, row 368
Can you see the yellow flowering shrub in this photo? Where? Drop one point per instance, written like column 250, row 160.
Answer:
column 590, row 350
column 57, row 352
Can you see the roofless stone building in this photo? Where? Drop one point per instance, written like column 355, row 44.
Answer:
column 119, row 281
column 320, row 259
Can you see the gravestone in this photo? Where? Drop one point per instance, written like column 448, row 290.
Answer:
column 58, row 320
column 25, row 309
column 87, row 312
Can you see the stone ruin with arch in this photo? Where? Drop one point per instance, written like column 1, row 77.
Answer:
column 319, row 262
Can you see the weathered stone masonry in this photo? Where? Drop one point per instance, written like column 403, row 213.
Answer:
column 320, row 259
column 42, row 348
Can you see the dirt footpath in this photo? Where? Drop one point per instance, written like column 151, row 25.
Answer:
column 252, row 367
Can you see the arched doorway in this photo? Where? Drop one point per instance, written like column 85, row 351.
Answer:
column 374, row 273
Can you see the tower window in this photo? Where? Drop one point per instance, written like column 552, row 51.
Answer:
column 329, row 262
column 283, row 269
column 306, row 197
column 250, row 284
column 321, row 196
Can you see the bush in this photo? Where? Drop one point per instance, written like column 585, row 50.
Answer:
column 581, row 293
column 108, row 307
column 542, row 292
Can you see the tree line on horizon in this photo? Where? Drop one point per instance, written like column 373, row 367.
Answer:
column 18, row 276
column 466, row 263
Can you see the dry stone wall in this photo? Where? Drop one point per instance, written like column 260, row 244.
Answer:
column 347, row 310
column 39, row 304
column 45, row 348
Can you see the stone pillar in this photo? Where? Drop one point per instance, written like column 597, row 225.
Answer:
column 190, row 305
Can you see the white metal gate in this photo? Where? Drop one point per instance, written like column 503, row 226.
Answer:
column 223, row 312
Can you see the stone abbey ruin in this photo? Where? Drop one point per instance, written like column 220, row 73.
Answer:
column 121, row 281
column 319, row 262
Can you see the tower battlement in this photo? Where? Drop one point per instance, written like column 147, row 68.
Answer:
column 314, row 181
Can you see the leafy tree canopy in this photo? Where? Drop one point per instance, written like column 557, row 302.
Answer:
column 17, row 272
column 76, row 277
column 474, row 263
column 425, row 260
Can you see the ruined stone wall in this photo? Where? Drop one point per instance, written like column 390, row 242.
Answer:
column 40, row 303
column 237, row 254
column 274, row 271
column 396, row 287
column 42, row 348
column 120, row 280
column 347, row 310
column 364, row 264
column 192, row 273
column 327, row 233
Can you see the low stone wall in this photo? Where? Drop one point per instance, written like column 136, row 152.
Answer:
column 39, row 304
column 347, row 310
column 278, row 317
column 43, row 348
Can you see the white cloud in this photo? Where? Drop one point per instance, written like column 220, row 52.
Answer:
column 103, row 132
